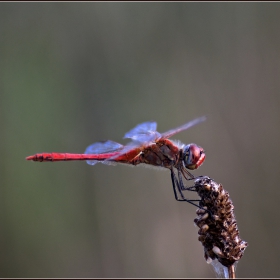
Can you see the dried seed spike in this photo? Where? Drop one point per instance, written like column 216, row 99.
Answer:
column 205, row 216
column 217, row 251
column 204, row 228
column 201, row 238
column 216, row 217
column 200, row 211
column 243, row 245
column 218, row 231
column 207, row 187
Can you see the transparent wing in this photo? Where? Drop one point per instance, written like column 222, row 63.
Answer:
column 126, row 149
column 171, row 132
column 144, row 132
column 102, row 148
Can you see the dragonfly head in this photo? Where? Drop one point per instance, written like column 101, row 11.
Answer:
column 193, row 156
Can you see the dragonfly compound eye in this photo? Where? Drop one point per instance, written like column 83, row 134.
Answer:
column 193, row 156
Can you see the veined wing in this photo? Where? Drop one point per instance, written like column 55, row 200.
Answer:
column 143, row 132
column 141, row 135
column 171, row 132
column 102, row 147
column 112, row 151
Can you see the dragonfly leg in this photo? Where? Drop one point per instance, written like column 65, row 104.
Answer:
column 183, row 188
column 190, row 189
column 181, row 184
column 176, row 185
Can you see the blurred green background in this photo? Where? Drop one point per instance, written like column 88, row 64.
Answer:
column 76, row 73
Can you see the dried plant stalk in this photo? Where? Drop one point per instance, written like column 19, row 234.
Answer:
column 218, row 230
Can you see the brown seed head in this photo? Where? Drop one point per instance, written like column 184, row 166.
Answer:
column 218, row 230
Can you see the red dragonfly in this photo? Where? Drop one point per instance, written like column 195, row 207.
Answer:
column 148, row 146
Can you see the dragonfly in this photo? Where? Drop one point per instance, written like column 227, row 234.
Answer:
column 147, row 146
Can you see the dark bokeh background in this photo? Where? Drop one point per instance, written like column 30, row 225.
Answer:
column 76, row 73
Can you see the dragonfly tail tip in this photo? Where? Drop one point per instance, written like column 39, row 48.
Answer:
column 29, row 158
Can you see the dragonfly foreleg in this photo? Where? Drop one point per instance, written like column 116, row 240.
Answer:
column 175, row 184
column 186, row 173
column 182, row 187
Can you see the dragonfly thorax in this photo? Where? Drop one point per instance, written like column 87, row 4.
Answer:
column 193, row 156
